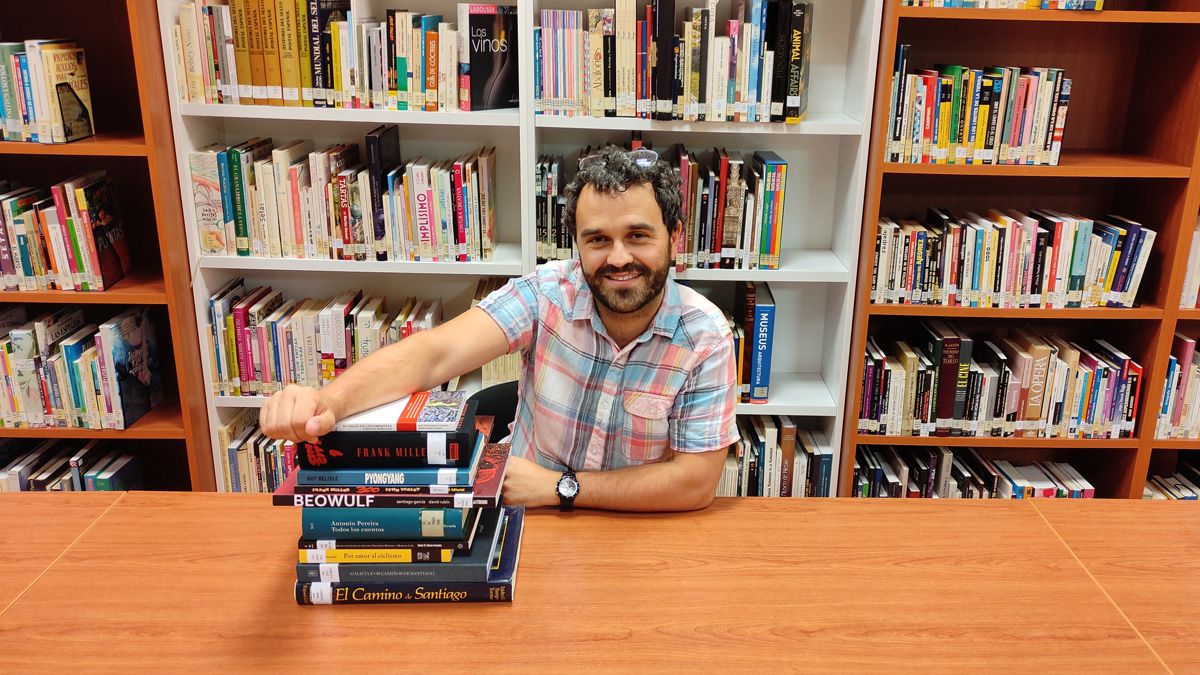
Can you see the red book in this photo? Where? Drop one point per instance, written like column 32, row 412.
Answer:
column 421, row 411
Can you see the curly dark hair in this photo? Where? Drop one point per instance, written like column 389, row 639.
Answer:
column 616, row 172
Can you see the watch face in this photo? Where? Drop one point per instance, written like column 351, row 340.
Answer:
column 568, row 487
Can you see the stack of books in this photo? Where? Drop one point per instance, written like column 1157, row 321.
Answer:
column 943, row 382
column 1179, row 409
column 68, row 238
column 960, row 473
column 45, row 96
column 1183, row 484
column 401, row 504
column 1190, row 296
column 1010, row 259
column 326, row 54
column 954, row 114
column 262, row 342
column 748, row 64
column 775, row 457
column 28, row 465
column 297, row 201
column 59, row 371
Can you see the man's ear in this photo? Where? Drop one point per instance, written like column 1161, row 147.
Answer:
column 676, row 237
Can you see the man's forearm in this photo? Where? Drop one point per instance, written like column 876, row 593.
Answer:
column 386, row 375
column 665, row 486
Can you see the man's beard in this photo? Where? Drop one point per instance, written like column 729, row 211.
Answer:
column 631, row 299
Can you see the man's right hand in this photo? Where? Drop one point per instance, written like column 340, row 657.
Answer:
column 297, row 414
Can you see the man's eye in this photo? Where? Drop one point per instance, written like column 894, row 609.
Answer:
column 638, row 235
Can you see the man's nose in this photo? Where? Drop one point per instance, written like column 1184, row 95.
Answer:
column 618, row 255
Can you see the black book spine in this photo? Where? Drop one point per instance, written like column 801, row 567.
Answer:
column 901, row 89
column 962, row 385
column 677, row 101
column 780, row 45
column 381, row 449
column 795, row 52
column 610, row 75
column 664, row 58
column 381, row 501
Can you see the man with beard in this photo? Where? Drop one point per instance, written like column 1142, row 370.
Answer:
column 627, row 389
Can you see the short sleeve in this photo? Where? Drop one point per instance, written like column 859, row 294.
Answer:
column 514, row 307
column 703, row 416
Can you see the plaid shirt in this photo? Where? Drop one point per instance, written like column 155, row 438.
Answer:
column 588, row 405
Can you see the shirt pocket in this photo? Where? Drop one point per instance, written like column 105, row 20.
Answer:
column 646, row 426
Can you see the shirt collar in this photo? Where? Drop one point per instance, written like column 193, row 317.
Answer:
column 666, row 320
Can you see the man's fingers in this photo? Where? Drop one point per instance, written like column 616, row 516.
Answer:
column 319, row 425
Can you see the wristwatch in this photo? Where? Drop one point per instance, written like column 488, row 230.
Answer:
column 567, row 489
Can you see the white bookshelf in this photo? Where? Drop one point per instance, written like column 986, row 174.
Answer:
column 826, row 177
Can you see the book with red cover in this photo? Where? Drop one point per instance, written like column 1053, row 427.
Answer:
column 421, row 411
column 391, row 449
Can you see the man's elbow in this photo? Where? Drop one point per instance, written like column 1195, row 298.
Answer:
column 700, row 493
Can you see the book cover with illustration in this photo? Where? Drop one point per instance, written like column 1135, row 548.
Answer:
column 71, row 96
column 132, row 343
column 489, row 71
column 101, row 217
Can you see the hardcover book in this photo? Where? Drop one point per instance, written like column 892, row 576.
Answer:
column 499, row 587
column 421, row 411
column 472, row 566
column 132, row 361
column 353, row 517
column 422, row 478
column 69, row 93
column 390, row 550
column 392, row 449
column 490, row 68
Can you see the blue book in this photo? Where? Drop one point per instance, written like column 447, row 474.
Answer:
column 27, row 91
column 764, row 328
column 344, row 519
column 463, row 567
column 1079, row 258
column 131, row 356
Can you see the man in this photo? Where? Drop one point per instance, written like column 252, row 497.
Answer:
column 627, row 377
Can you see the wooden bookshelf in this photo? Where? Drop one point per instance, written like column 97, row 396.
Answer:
column 136, row 288
column 1132, row 146
column 100, row 145
column 135, row 145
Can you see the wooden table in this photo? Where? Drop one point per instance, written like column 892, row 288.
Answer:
column 203, row 582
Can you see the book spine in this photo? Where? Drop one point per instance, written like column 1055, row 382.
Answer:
column 388, row 449
column 385, row 573
column 352, row 517
column 422, row 479
column 326, row 593
column 764, row 325
column 320, row 497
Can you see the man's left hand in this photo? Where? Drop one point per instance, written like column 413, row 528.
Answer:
column 529, row 484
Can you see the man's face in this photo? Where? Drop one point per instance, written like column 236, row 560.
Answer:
column 624, row 246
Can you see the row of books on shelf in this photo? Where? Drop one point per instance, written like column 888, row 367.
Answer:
column 732, row 206
column 321, row 53
column 293, row 201
column 59, row 371
column 402, row 504
column 944, row 382
column 1183, row 484
column 1190, row 296
column 1085, row 5
column 954, row 114
column 1179, row 410
column 960, row 473
column 70, row 237
column 260, row 342
column 775, row 458
column 45, row 96
column 28, row 465
column 751, row 66
column 1010, row 259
